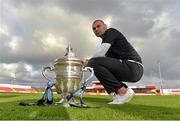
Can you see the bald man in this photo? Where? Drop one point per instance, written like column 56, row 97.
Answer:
column 115, row 62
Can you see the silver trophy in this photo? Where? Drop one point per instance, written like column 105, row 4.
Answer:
column 69, row 74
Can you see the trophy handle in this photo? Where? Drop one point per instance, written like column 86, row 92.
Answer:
column 47, row 68
column 92, row 73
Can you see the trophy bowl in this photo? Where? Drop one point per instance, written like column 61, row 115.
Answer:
column 68, row 76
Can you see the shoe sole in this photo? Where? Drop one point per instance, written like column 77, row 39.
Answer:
column 115, row 103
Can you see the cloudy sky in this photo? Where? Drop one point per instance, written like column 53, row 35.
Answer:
column 33, row 33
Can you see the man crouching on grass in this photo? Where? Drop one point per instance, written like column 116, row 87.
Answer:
column 115, row 62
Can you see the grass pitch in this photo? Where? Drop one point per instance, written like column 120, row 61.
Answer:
column 139, row 108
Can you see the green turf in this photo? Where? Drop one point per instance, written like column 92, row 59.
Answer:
column 140, row 108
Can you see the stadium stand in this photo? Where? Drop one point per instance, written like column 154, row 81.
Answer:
column 16, row 88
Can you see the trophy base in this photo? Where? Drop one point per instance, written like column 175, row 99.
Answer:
column 63, row 102
column 79, row 105
column 71, row 103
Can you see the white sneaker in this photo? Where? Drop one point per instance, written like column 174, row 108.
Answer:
column 129, row 95
column 116, row 100
column 123, row 99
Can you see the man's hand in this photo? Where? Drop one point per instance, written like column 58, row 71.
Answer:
column 85, row 62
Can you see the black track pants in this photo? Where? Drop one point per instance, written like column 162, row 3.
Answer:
column 112, row 72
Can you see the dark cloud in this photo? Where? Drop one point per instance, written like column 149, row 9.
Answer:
column 154, row 24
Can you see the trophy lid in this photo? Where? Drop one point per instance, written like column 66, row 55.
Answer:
column 69, row 56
